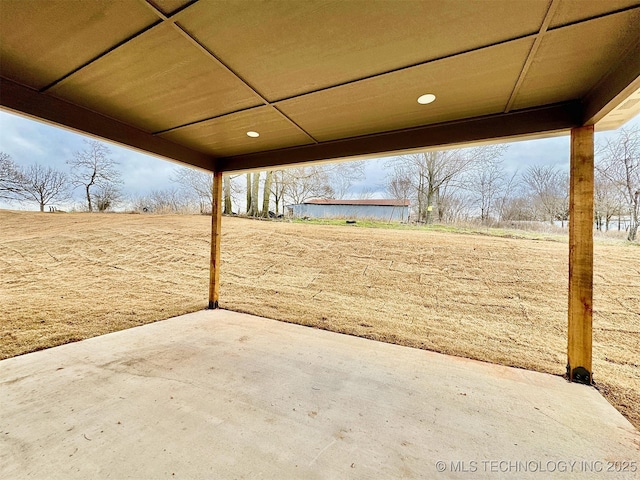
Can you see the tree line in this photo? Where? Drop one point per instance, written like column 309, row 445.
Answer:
column 446, row 186
column 96, row 175
column 92, row 170
column 473, row 185
column 255, row 194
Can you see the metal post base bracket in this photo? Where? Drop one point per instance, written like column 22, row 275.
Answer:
column 213, row 305
column 579, row 375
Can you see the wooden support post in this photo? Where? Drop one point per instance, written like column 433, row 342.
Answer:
column 216, row 224
column 580, row 256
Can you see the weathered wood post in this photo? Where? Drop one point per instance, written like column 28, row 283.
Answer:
column 216, row 223
column 581, row 187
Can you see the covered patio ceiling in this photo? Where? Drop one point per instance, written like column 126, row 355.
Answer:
column 186, row 80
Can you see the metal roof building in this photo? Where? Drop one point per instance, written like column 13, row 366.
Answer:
column 390, row 210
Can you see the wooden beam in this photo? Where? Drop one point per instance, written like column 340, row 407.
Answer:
column 216, row 224
column 43, row 107
column 581, row 188
column 518, row 124
column 615, row 88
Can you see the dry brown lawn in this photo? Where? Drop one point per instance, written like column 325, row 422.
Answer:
column 65, row 277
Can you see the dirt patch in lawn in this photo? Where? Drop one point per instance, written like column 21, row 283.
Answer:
column 65, row 277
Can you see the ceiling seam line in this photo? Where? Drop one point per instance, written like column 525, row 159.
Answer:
column 173, row 19
column 595, row 17
column 102, row 55
column 219, row 62
column 407, row 67
column 532, row 53
column 155, row 10
column 295, row 124
column 186, row 6
column 173, row 16
column 204, row 120
column 162, row 20
column 273, row 104
column 177, row 11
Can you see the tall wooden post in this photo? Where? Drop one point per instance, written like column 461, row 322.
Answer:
column 580, row 256
column 216, row 223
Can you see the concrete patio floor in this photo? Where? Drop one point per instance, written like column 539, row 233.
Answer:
column 218, row 394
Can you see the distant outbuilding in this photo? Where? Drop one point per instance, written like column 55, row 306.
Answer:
column 378, row 209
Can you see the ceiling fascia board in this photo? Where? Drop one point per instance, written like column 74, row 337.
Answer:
column 26, row 101
column 614, row 88
column 505, row 126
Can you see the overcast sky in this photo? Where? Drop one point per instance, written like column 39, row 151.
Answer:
column 31, row 142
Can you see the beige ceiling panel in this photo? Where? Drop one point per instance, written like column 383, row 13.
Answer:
column 42, row 41
column 169, row 6
column 291, row 47
column 473, row 84
column 570, row 11
column 226, row 136
column 155, row 82
column 571, row 60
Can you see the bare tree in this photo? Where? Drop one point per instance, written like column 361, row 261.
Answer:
column 304, row 183
column 608, row 200
column 266, row 193
column 255, row 194
column 549, row 187
column 196, row 184
column 340, row 176
column 517, row 209
column 140, row 203
column 226, row 188
column 11, row 178
column 486, row 179
column 44, row 185
column 92, row 167
column 299, row 184
column 252, row 190
column 249, row 191
column 454, row 206
column 105, row 198
column 432, row 174
column 171, row 200
column 367, row 193
column 399, row 185
column 278, row 186
column 620, row 163
column 236, row 190
column 509, row 187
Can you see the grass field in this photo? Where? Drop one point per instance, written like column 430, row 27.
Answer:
column 65, row 277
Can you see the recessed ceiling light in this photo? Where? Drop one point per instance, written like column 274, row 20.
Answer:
column 428, row 98
column 253, row 134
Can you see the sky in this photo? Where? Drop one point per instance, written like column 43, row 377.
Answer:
column 30, row 142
